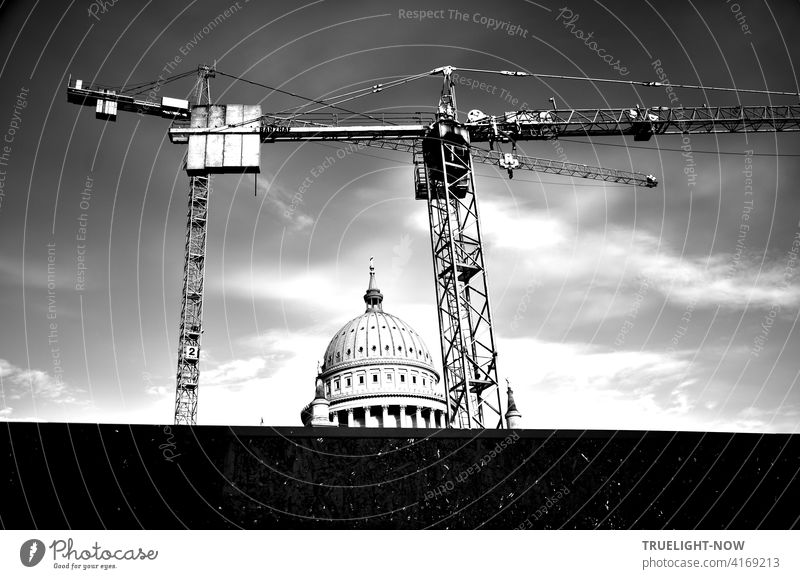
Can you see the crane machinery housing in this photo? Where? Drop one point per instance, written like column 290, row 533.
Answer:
column 226, row 138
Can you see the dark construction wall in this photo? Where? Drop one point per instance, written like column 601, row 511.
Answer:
column 165, row 477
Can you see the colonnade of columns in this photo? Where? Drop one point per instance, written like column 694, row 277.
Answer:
column 380, row 416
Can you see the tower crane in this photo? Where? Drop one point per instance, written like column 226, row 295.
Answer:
column 226, row 138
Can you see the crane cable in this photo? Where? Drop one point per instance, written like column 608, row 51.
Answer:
column 628, row 82
column 141, row 87
column 163, row 82
column 324, row 104
column 380, row 87
column 286, row 92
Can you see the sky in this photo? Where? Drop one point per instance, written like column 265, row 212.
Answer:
column 614, row 307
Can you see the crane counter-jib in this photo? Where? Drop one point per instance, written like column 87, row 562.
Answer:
column 107, row 102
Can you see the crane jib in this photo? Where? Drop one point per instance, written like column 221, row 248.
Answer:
column 527, row 125
column 641, row 123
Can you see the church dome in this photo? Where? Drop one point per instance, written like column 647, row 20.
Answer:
column 377, row 371
column 375, row 336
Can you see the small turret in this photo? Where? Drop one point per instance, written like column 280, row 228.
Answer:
column 320, row 407
column 513, row 416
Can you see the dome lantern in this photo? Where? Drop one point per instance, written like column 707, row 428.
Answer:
column 373, row 298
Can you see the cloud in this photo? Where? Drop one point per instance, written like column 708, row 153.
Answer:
column 284, row 205
column 753, row 419
column 402, row 253
column 36, row 392
column 723, row 279
column 235, row 372
column 292, row 285
column 597, row 367
column 567, row 385
column 253, row 386
column 508, row 228
column 325, row 295
column 557, row 252
column 270, row 375
column 20, row 383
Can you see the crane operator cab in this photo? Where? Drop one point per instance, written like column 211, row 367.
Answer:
column 445, row 150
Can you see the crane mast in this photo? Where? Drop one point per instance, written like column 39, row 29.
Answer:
column 446, row 181
column 225, row 138
column 191, row 324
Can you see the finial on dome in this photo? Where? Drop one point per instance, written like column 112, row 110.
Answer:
column 373, row 298
column 372, row 284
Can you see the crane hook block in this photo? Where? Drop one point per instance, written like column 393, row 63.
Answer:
column 510, row 162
